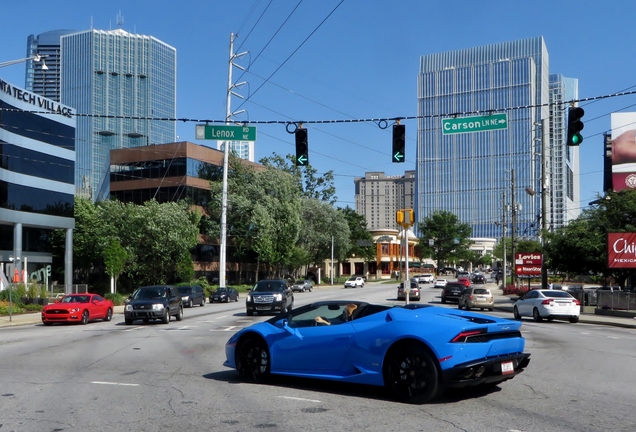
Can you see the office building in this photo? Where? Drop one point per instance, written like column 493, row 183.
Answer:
column 563, row 199
column 467, row 170
column 242, row 149
column 41, row 80
column 378, row 197
column 37, row 166
column 119, row 83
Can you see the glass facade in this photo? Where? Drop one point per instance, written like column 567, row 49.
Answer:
column 119, row 83
column 45, row 81
column 467, row 173
column 242, row 149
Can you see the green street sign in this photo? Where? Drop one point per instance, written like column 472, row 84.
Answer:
column 225, row 133
column 474, row 124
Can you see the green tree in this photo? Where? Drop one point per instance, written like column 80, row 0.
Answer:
column 358, row 231
column 311, row 185
column 451, row 238
column 115, row 257
column 320, row 223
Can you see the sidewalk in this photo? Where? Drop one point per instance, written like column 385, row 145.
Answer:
column 35, row 318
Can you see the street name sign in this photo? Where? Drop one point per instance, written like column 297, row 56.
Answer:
column 474, row 124
column 225, row 133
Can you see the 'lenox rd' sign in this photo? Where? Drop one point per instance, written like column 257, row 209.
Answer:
column 474, row 124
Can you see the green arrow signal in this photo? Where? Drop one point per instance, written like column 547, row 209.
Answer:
column 302, row 160
column 398, row 156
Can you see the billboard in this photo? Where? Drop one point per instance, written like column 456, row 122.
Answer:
column 623, row 151
column 528, row 264
column 621, row 250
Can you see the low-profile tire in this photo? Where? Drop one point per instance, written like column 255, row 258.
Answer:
column 128, row 321
column 109, row 315
column 85, row 317
column 411, row 373
column 179, row 315
column 516, row 314
column 536, row 316
column 166, row 316
column 252, row 360
column 574, row 319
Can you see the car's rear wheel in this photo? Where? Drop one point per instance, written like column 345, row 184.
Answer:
column 536, row 315
column 459, row 306
column 411, row 374
column 109, row 315
column 252, row 360
column 84, row 317
column 516, row 314
column 574, row 319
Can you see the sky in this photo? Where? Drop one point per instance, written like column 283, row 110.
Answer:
column 332, row 60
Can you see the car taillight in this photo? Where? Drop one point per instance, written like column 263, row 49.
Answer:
column 470, row 297
column 466, row 335
column 547, row 302
column 576, row 302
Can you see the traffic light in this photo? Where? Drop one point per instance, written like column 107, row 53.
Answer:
column 399, row 133
column 575, row 126
column 302, row 147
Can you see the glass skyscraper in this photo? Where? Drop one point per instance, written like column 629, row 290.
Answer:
column 119, row 83
column 44, row 81
column 469, row 173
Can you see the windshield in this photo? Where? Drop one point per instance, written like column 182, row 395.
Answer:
column 185, row 290
column 268, row 286
column 352, row 278
column 221, row 290
column 75, row 299
column 149, row 293
column 300, row 282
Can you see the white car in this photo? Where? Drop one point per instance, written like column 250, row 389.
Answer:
column 550, row 304
column 440, row 283
column 426, row 278
column 354, row 282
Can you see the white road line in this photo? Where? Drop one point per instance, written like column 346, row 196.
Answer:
column 114, row 383
column 299, row 399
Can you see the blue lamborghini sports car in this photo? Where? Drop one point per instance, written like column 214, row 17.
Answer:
column 415, row 351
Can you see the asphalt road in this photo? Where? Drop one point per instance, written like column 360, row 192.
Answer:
column 106, row 376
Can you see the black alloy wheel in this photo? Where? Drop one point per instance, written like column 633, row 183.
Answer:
column 252, row 360
column 85, row 317
column 109, row 315
column 411, row 374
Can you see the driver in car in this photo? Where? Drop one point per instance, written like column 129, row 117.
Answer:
column 346, row 315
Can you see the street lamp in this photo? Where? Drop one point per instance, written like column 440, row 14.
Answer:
column 38, row 58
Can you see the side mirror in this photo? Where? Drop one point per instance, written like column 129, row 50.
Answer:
column 249, row 289
column 281, row 323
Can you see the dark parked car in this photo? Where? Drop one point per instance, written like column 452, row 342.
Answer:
column 302, row 285
column 270, row 295
column 157, row 302
column 452, row 291
column 191, row 295
column 224, row 294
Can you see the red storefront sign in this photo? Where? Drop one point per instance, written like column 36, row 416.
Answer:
column 621, row 250
column 528, row 264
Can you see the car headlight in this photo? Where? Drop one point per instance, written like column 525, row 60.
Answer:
column 278, row 297
column 158, row 306
column 185, row 298
column 74, row 310
column 129, row 308
column 249, row 298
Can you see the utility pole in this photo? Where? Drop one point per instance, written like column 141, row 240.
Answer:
column 226, row 151
column 514, row 225
column 504, row 274
column 544, row 222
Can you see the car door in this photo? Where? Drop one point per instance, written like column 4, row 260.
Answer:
column 527, row 303
column 99, row 307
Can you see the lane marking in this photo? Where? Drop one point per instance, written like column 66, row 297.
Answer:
column 114, row 383
column 299, row 399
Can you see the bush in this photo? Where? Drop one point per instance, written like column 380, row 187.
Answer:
column 15, row 308
column 33, row 307
column 511, row 289
column 117, row 298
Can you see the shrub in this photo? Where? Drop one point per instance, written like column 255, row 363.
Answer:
column 515, row 290
column 33, row 307
column 15, row 308
column 117, row 298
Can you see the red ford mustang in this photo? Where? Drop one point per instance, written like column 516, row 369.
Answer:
column 80, row 308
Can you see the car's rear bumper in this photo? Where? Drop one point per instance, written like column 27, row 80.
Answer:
column 485, row 371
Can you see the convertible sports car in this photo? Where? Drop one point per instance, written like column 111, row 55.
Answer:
column 415, row 351
column 80, row 308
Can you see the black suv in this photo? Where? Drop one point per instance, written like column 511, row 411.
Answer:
column 157, row 302
column 191, row 295
column 270, row 295
column 452, row 291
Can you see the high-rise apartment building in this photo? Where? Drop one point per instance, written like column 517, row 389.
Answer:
column 242, row 149
column 468, row 173
column 379, row 196
column 41, row 80
column 119, row 83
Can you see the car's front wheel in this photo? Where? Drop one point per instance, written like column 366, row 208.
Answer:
column 252, row 360
column 85, row 317
column 179, row 315
column 166, row 316
column 411, row 374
